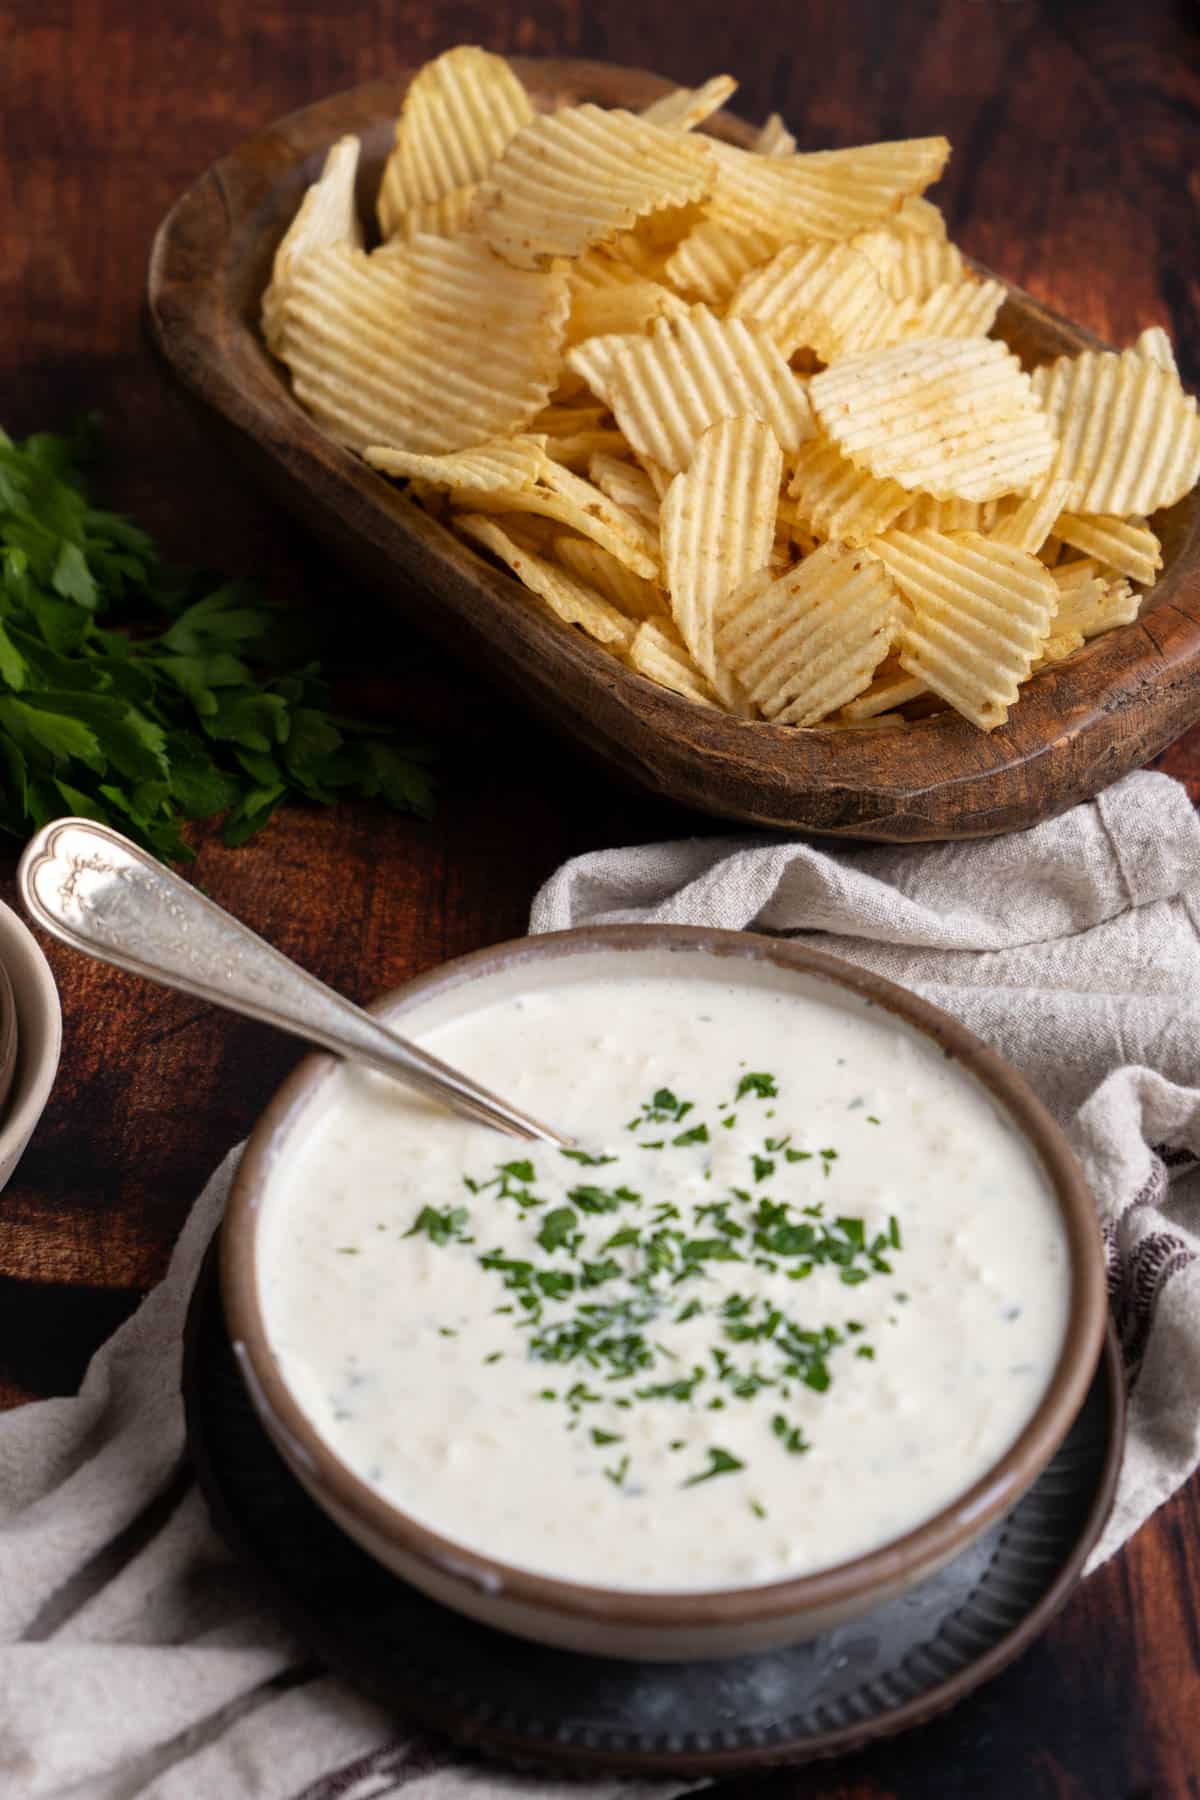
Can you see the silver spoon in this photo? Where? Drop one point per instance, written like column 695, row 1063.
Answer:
column 97, row 892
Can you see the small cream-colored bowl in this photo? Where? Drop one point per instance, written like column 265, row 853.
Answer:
column 668, row 1626
column 38, row 1021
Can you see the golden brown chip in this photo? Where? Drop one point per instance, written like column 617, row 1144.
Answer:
column 581, row 175
column 609, row 297
column 956, row 309
column 438, row 218
column 718, row 523
column 327, row 215
column 1027, row 526
column 387, row 349
column 576, row 503
column 629, row 485
column 917, row 214
column 824, row 193
column 458, row 114
column 665, row 390
column 774, row 138
column 658, row 652
column 686, row 108
column 710, row 261
column 1118, row 604
column 1123, row 545
column 599, row 569
column 922, row 264
column 927, row 514
column 892, row 687
column 1130, row 435
column 835, row 499
column 956, row 418
column 978, row 615
column 569, row 599
column 822, row 297
column 811, row 641
column 1155, row 344
column 503, row 464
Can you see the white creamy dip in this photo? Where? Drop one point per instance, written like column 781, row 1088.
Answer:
column 817, row 1294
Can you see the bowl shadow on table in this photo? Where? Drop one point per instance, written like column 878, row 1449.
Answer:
column 1111, row 707
column 51, row 1329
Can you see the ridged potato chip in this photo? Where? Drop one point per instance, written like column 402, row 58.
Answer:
column 438, row 218
column 579, row 176
column 821, row 297
column 711, row 260
column 576, row 433
column 1065, row 638
column 927, row 514
column 629, row 486
column 774, row 138
column 1155, row 344
column 978, row 615
column 327, row 215
column 1115, row 604
column 458, row 114
column 386, row 349
column 503, row 464
column 922, row 263
column 1080, row 577
column 891, row 687
column 916, row 214
column 823, row 193
column 599, row 569
column 570, row 600
column 609, row 297
column 718, row 523
column 658, row 652
column 955, row 309
column 955, row 418
column 665, row 390
column 1130, row 435
column 562, row 495
column 1027, row 526
column 1088, row 606
column 835, row 499
column 686, row 108
column 812, row 640
column 1125, row 547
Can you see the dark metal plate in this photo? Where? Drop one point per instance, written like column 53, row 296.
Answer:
column 891, row 1669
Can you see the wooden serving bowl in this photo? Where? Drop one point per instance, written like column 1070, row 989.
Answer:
column 1079, row 725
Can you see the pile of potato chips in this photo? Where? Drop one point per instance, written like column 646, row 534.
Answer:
column 733, row 413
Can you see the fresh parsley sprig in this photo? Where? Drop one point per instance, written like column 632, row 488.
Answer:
column 142, row 696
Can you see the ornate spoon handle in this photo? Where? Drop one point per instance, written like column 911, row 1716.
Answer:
column 97, row 892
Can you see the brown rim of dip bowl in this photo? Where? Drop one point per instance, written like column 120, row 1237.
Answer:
column 931, row 1543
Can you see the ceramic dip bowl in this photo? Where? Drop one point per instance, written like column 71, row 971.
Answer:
column 32, row 1037
column 399, row 1312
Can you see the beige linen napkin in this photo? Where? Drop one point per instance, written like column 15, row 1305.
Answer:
column 135, row 1663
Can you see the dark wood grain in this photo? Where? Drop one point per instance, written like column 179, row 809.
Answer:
column 1077, row 140
column 1079, row 725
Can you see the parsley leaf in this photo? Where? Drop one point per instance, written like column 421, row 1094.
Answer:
column 142, row 696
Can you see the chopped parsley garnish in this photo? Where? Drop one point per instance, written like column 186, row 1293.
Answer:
column 558, row 1228
column 597, row 1296
column 720, row 1462
column 790, row 1436
column 440, row 1227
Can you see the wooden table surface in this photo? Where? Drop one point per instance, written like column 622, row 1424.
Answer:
column 1077, row 149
